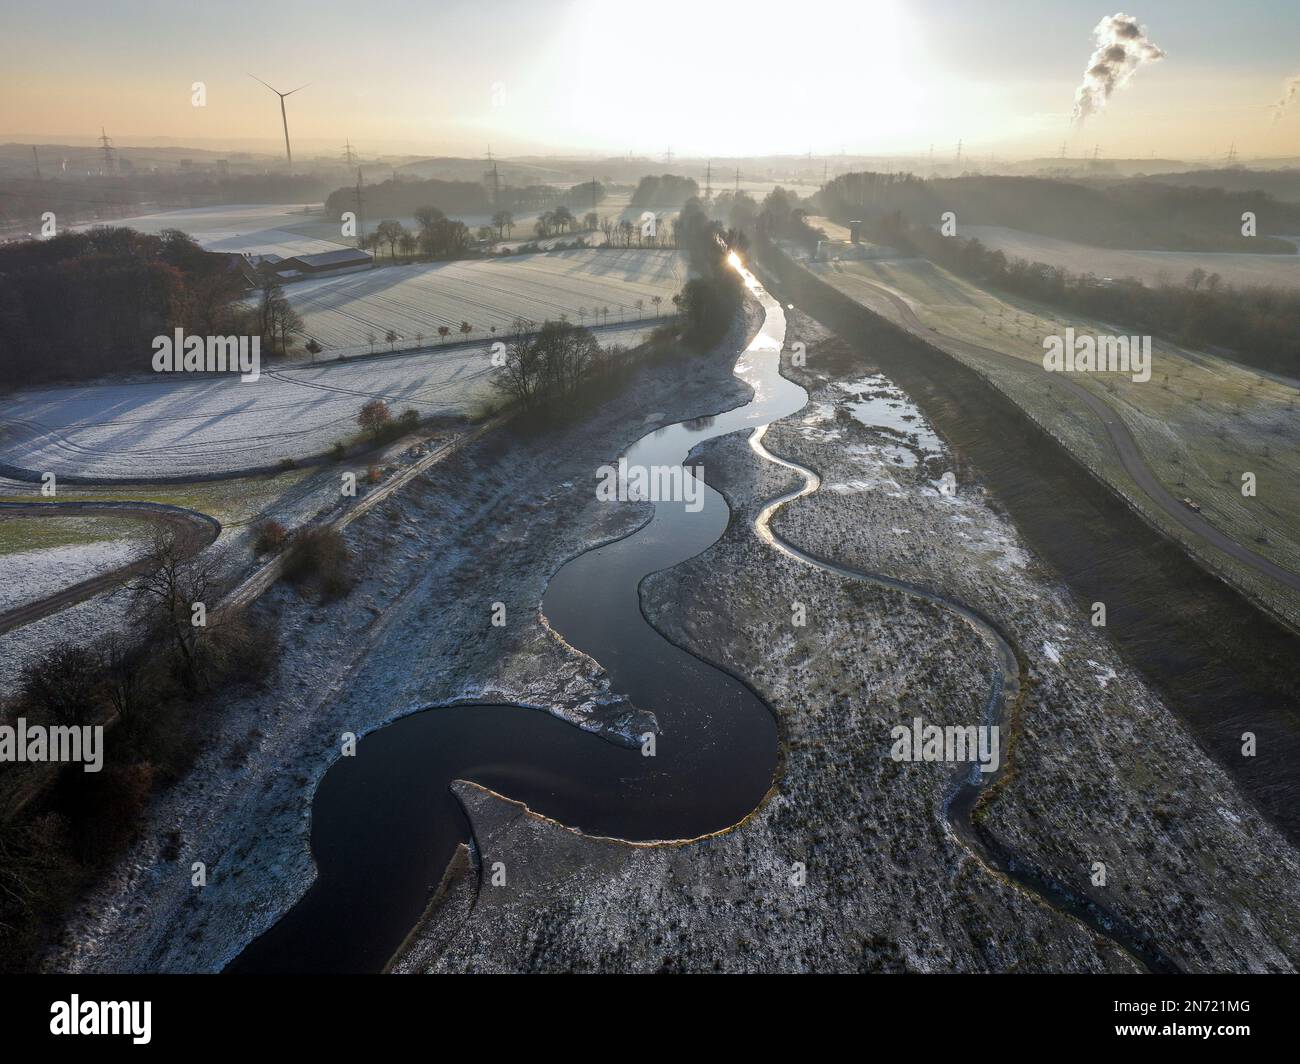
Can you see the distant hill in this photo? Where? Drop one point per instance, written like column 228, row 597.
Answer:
column 1132, row 214
column 1084, row 167
column 1284, row 184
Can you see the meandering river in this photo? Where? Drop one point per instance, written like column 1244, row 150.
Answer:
column 385, row 823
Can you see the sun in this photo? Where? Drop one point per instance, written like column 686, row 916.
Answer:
column 710, row 78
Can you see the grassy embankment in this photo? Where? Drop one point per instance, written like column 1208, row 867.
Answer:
column 1201, row 421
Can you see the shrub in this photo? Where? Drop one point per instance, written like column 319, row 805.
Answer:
column 319, row 555
column 268, row 536
column 65, row 687
column 374, row 417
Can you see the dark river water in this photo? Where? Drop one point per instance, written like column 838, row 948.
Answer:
column 384, row 823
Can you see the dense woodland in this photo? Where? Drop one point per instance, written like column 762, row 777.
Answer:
column 712, row 297
column 85, row 304
column 94, row 198
column 402, row 198
column 1130, row 214
column 664, row 190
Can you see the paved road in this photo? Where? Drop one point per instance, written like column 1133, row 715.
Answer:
column 1125, row 447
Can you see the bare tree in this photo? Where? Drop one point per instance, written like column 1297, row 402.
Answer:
column 122, row 661
column 65, row 685
column 166, row 596
column 390, row 232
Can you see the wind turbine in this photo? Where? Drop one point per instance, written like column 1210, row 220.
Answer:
column 283, row 116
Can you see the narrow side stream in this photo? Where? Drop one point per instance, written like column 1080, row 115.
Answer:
column 385, row 824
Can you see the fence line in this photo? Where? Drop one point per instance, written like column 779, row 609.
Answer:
column 381, row 347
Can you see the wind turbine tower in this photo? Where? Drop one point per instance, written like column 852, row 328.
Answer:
column 284, row 117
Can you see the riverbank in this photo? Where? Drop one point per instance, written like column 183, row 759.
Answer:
column 884, row 886
column 1225, row 665
column 489, row 526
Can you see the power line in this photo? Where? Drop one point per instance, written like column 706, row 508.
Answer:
column 361, row 230
column 496, row 179
column 106, row 146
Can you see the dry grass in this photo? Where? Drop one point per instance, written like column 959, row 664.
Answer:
column 1201, row 421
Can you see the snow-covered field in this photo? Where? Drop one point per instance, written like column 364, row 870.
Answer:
column 176, row 425
column 342, row 312
column 28, row 575
column 1153, row 267
column 191, row 426
column 264, row 229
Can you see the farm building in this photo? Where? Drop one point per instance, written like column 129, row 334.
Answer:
column 345, row 260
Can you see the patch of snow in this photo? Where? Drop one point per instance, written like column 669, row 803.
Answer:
column 28, row 575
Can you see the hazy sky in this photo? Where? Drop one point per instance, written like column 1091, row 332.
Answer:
column 699, row 76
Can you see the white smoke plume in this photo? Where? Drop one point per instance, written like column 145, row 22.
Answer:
column 1122, row 47
column 1289, row 92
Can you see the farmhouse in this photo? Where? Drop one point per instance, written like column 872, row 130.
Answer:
column 345, row 260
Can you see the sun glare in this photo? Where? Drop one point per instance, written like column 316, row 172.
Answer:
column 821, row 76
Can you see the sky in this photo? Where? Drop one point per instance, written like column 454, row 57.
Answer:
column 697, row 77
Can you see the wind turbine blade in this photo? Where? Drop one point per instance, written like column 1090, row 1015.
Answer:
column 298, row 89
column 274, row 90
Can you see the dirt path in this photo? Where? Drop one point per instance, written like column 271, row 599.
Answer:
column 194, row 531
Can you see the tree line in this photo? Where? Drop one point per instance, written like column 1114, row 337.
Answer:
column 436, row 236
column 403, row 197
column 1260, row 325
column 87, row 303
column 1122, row 214
column 664, row 190
column 710, row 300
column 144, row 687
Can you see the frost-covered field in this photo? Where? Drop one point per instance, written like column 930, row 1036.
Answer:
column 175, row 425
column 1200, row 421
column 28, row 575
column 184, row 426
column 342, row 312
column 1153, row 267
column 264, row 229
